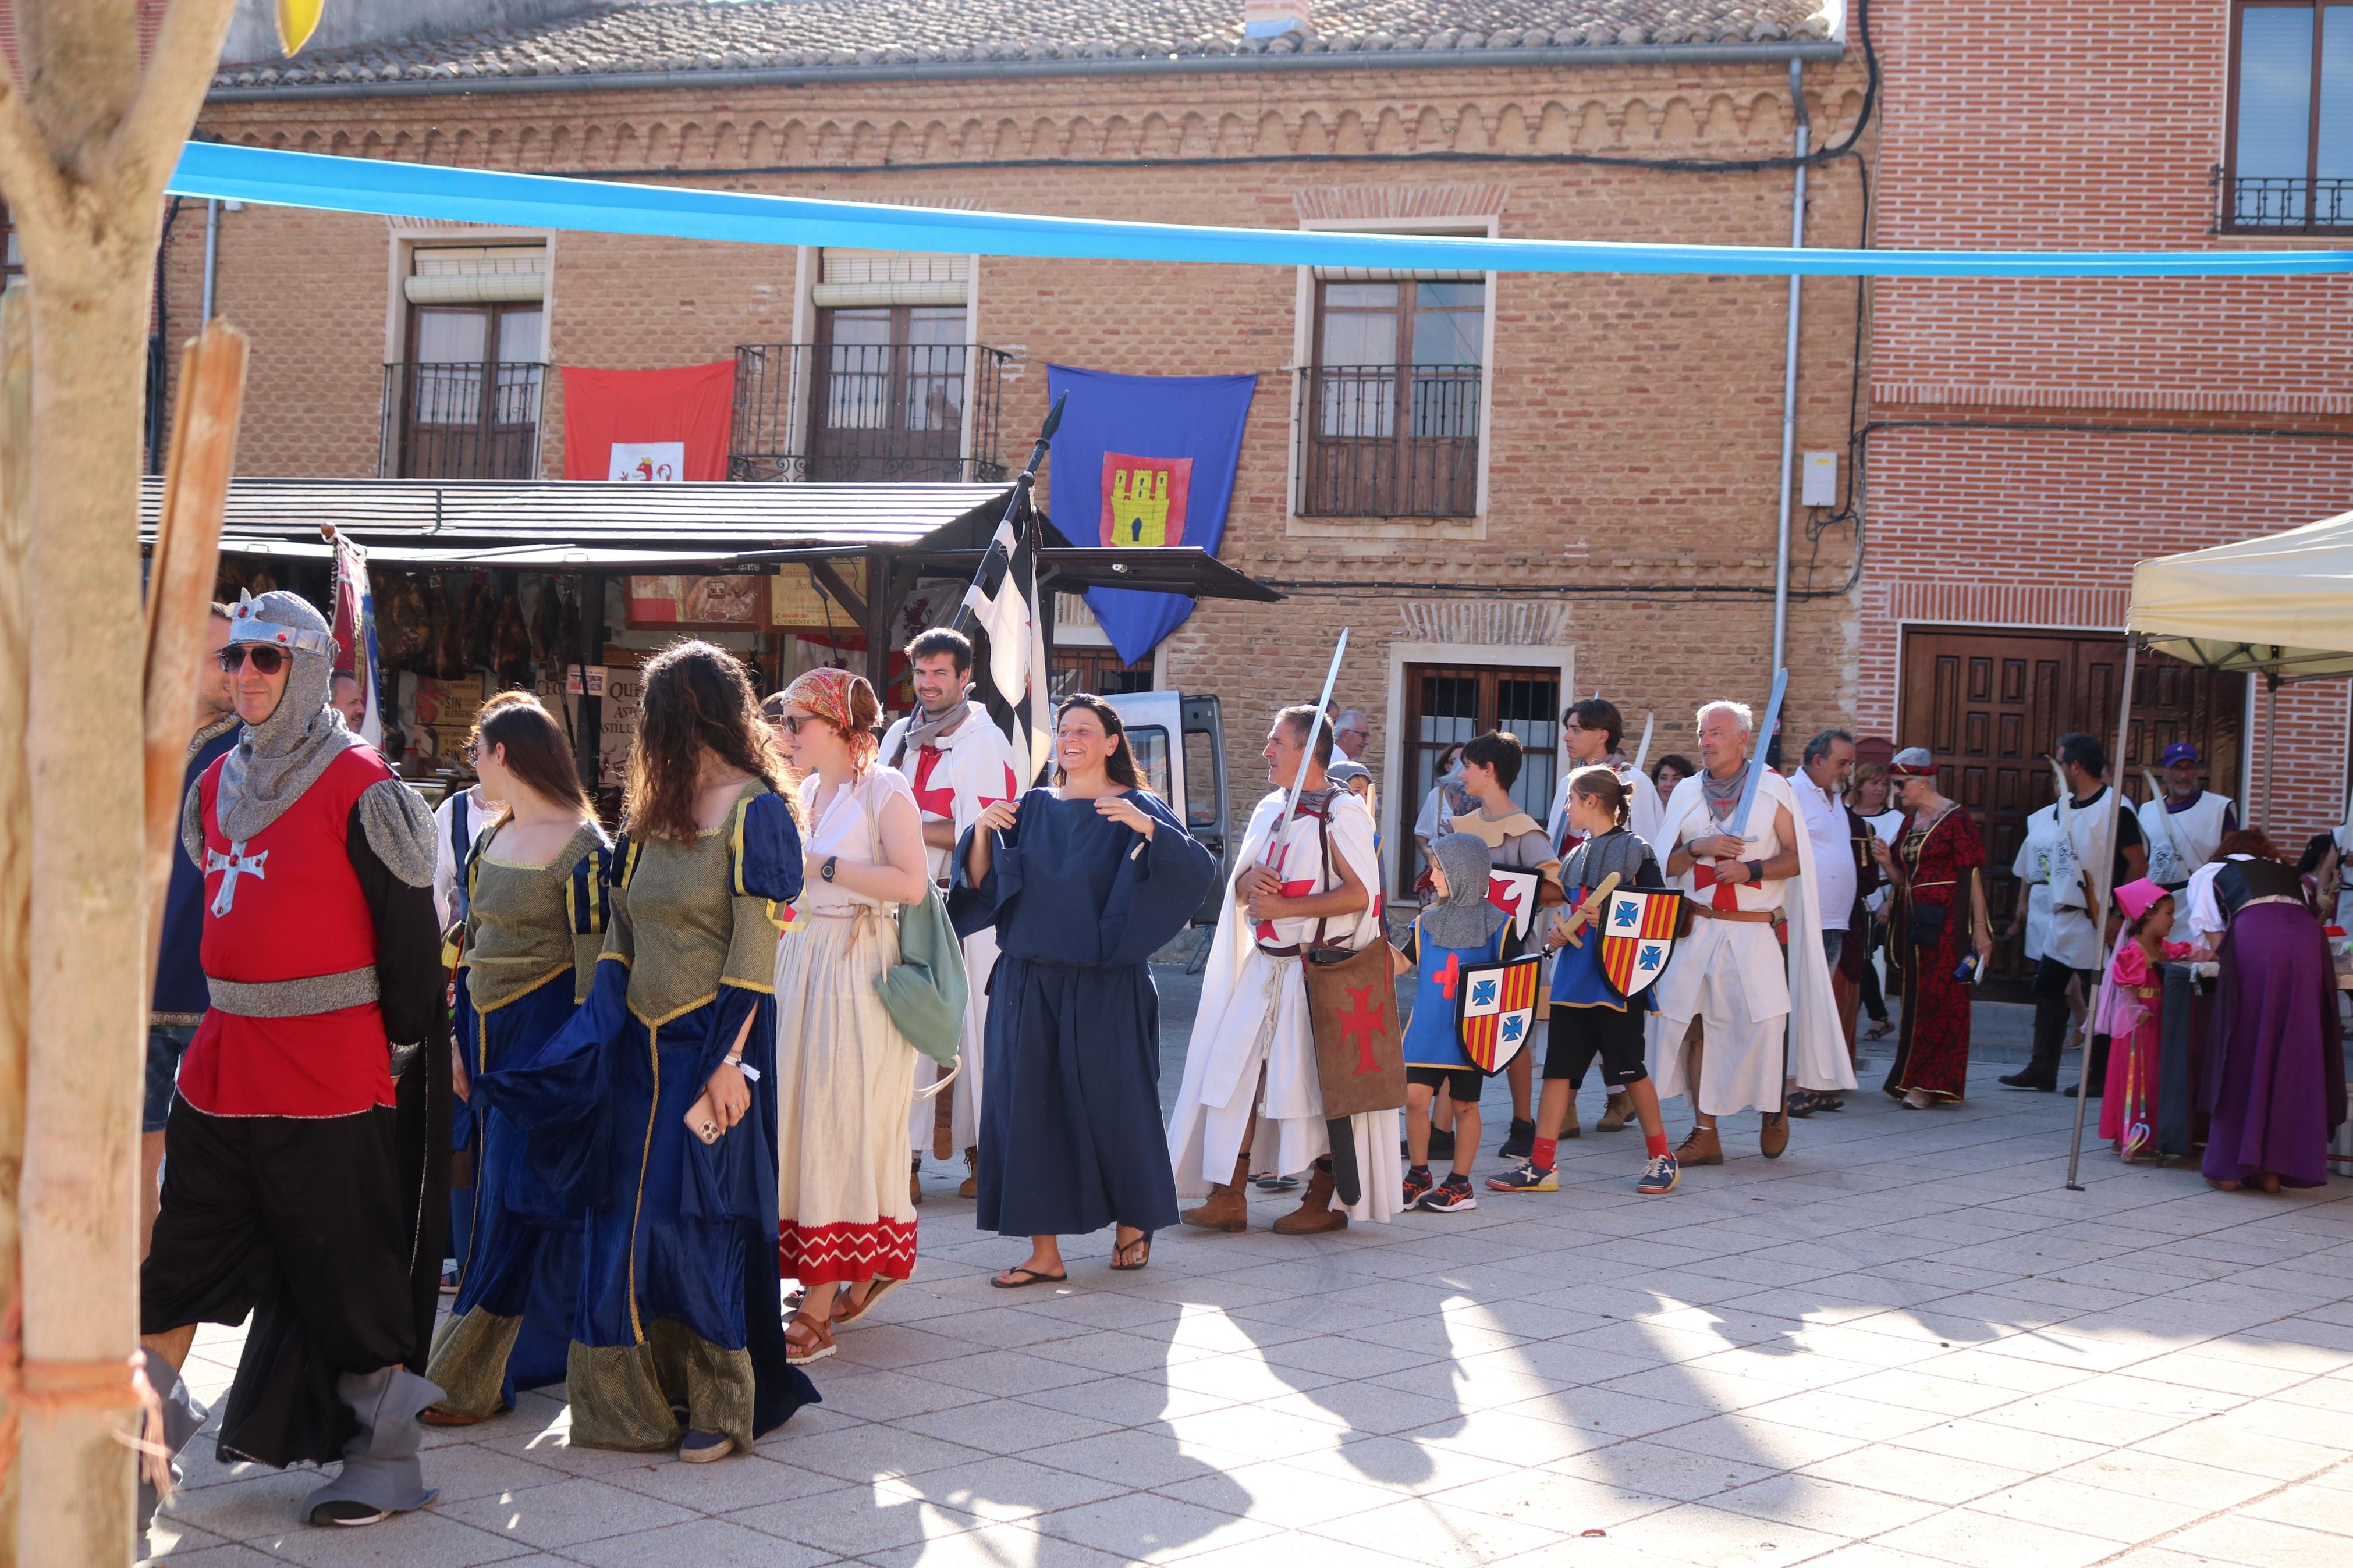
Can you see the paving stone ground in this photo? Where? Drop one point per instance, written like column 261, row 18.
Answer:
column 1902, row 1345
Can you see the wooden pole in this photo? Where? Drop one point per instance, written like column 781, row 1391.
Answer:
column 180, row 584
column 15, row 851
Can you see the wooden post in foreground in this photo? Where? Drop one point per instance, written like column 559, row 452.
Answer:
column 16, row 853
column 180, row 584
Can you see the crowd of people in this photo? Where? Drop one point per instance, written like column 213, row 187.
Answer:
column 685, row 1075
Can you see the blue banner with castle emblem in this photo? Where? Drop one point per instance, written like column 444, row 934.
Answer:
column 1143, row 461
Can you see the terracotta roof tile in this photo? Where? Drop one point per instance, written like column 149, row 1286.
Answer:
column 662, row 38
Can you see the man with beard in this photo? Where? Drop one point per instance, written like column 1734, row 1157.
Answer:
column 1250, row 1072
column 297, row 1186
column 960, row 764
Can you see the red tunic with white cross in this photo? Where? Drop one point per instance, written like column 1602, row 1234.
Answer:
column 286, row 905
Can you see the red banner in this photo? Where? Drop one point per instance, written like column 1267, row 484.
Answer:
column 655, row 426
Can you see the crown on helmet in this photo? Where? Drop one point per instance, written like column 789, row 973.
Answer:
column 282, row 620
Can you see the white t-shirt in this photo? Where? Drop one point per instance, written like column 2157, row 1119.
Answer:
column 1834, row 874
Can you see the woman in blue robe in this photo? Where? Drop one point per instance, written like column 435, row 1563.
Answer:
column 1083, row 883
column 655, row 1108
column 533, row 889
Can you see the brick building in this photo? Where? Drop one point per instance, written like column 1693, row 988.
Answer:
column 1610, row 476
column 2028, row 441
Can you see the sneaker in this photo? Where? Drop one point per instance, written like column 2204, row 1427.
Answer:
column 1518, row 1143
column 349, row 1513
column 1274, row 1183
column 1658, row 1177
column 450, row 1275
column 1442, row 1143
column 1530, row 1177
column 2027, row 1077
column 703, row 1448
column 1450, row 1196
column 1418, row 1182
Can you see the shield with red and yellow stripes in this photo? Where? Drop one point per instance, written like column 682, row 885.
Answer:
column 1495, row 1008
column 1638, row 937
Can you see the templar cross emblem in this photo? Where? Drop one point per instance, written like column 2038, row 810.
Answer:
column 234, row 864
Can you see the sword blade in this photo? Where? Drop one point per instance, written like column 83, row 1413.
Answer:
column 1642, row 751
column 1347, row 1182
column 1314, row 727
column 1739, row 825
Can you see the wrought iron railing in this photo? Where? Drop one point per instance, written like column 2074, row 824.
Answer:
column 1388, row 441
column 466, row 421
column 2290, row 204
column 858, row 412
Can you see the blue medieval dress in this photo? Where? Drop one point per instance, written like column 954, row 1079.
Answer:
column 532, row 934
column 1071, row 1137
column 678, row 1324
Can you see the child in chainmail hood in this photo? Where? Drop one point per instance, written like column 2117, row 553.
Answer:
column 1458, row 927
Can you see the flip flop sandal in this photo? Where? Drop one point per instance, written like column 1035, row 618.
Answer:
column 1028, row 1276
column 848, row 1310
column 1122, row 1250
column 817, row 1346
column 434, row 1416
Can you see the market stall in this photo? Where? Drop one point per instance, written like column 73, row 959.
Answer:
column 565, row 587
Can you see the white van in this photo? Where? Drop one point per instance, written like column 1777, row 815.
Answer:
column 1180, row 749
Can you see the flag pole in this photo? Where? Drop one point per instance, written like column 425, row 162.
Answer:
column 1017, row 510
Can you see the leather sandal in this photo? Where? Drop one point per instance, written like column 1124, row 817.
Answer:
column 816, row 1344
column 1119, row 1263
column 848, row 1308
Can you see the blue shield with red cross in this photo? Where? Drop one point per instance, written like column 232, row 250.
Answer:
column 1638, row 937
column 1495, row 1009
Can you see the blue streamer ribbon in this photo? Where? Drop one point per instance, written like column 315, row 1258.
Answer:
column 274, row 178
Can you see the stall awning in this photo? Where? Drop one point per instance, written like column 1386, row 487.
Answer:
column 2280, row 605
column 708, row 528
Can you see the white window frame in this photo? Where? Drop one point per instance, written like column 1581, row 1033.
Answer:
column 1302, row 355
column 1559, row 659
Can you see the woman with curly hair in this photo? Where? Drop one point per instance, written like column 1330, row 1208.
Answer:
column 655, row 1106
column 845, row 1227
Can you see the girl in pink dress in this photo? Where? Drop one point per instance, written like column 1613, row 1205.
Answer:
column 2131, row 1014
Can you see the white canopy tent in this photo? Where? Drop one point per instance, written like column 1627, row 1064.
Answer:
column 2280, row 606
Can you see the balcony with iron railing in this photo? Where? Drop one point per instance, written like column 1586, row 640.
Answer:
column 2285, row 204
column 1390, row 440
column 463, row 421
column 842, row 413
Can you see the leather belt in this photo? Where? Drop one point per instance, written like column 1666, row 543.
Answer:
column 293, row 998
column 1738, row 916
column 2273, row 899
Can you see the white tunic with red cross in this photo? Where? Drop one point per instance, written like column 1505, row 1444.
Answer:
column 955, row 777
column 286, row 905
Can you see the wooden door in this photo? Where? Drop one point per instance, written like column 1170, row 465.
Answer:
column 1450, row 703
column 1992, row 704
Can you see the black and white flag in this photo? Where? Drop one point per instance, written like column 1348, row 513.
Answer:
column 1014, row 686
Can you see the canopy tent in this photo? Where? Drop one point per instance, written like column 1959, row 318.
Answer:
column 2279, row 605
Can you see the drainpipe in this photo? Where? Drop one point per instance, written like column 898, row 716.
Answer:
column 212, row 259
column 1789, row 377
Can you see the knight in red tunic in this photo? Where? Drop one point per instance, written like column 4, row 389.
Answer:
column 296, row 1186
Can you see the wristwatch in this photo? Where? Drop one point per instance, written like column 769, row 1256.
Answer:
column 826, row 870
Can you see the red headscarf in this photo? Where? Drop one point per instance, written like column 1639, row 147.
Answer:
column 826, row 692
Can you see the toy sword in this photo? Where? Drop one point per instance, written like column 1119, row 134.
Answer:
column 1738, row 825
column 1642, row 751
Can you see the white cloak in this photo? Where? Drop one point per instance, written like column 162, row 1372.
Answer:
column 1797, row 978
column 1254, row 1009
column 974, row 768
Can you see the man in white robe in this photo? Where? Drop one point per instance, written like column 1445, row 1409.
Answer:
column 1250, row 1081
column 2183, row 827
column 1767, row 1013
column 958, row 762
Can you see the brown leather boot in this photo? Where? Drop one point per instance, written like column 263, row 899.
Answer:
column 916, row 1181
column 1616, row 1113
column 1315, row 1214
column 1227, row 1209
column 1569, row 1127
column 1774, row 1136
column 970, row 1186
column 1701, row 1148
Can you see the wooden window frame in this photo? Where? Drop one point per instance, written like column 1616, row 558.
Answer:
column 1401, row 440
column 898, row 441
column 2226, row 216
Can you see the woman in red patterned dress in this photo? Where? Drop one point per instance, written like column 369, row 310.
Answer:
column 1938, row 916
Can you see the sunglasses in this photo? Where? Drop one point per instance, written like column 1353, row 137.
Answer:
column 793, row 721
column 267, row 659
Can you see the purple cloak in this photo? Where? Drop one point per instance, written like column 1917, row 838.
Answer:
column 2274, row 1083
